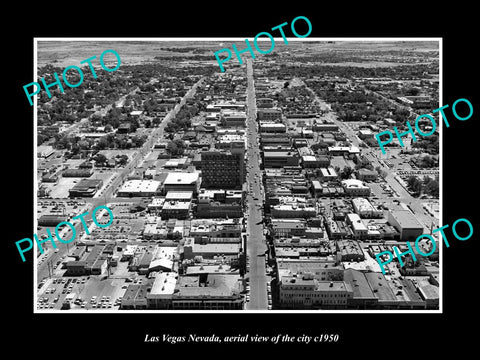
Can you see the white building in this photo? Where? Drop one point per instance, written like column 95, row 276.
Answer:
column 354, row 187
column 161, row 293
column 365, row 209
column 293, row 211
column 328, row 173
column 139, row 188
column 181, row 181
column 307, row 292
column 360, row 231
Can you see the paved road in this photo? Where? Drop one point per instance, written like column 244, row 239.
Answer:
column 256, row 245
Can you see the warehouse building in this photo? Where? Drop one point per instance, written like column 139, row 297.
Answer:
column 181, row 181
column 406, row 224
column 138, row 188
column 85, row 188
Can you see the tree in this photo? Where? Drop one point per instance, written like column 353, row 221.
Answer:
column 122, row 160
column 363, row 163
column 431, row 186
column 382, row 173
column 415, row 185
column 346, row 172
column 176, row 147
column 100, row 159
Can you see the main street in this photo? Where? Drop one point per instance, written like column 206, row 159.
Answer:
column 256, row 245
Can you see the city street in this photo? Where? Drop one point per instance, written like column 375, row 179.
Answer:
column 256, row 246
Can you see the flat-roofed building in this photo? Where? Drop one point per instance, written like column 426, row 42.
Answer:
column 76, row 268
column 336, row 229
column 367, row 175
column 320, row 270
column 328, row 174
column 230, row 141
column 77, row 172
column 281, row 159
column 293, row 211
column 85, row 188
column 139, row 188
column 269, row 114
column 406, row 223
column 314, row 161
column 175, row 209
column 363, row 296
column 208, row 292
column 354, row 187
column 343, row 150
column 51, row 219
column 365, row 134
column 203, row 229
column 210, row 269
column 181, row 163
column 365, row 209
column 181, row 181
column 161, row 293
column 135, row 297
column 272, row 127
column 360, row 230
column 192, row 248
column 215, row 209
column 218, row 107
column 306, row 292
column 223, row 169
column 156, row 205
column 231, row 118
column 325, row 126
column 266, row 103
column 179, row 196
column 44, row 151
column 350, row 250
column 317, row 188
column 429, row 293
column 382, row 291
column 267, row 139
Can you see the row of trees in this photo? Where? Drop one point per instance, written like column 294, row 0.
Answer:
column 429, row 144
column 183, row 119
column 395, row 72
column 176, row 147
column 426, row 186
column 75, row 144
column 101, row 160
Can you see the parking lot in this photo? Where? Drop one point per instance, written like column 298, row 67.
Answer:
column 89, row 293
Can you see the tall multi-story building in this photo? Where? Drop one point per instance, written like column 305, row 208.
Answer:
column 223, row 169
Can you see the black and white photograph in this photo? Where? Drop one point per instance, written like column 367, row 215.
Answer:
column 166, row 184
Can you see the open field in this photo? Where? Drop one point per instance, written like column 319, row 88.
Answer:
column 65, row 53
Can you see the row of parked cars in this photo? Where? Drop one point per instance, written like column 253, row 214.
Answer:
column 105, row 302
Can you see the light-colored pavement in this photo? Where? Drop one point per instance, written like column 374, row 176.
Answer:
column 256, row 245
